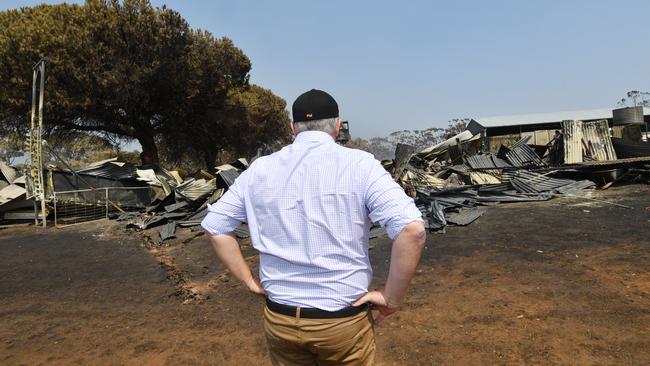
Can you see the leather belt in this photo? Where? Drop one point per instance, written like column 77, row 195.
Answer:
column 313, row 313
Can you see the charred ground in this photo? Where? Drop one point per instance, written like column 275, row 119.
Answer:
column 560, row 282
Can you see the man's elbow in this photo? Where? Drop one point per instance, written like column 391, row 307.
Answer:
column 416, row 233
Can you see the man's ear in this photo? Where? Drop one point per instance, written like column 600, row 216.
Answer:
column 293, row 128
column 338, row 128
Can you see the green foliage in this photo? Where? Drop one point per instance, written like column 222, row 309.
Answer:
column 263, row 118
column 130, row 71
column 246, row 120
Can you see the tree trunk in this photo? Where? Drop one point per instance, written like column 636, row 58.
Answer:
column 210, row 158
column 149, row 154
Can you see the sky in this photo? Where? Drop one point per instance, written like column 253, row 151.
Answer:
column 395, row 65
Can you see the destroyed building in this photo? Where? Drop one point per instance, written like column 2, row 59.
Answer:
column 452, row 182
column 521, row 158
column 630, row 123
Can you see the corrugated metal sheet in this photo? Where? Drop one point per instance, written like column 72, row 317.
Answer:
column 512, row 196
column 168, row 231
column 618, row 162
column 195, row 218
column 8, row 173
column 10, row 193
column 437, row 216
column 464, row 217
column 110, row 169
column 21, row 181
column 151, row 178
column 523, row 156
column 487, row 161
column 575, row 187
column 501, row 187
column 243, row 162
column 529, row 182
column 572, row 141
column 215, row 196
column 195, row 189
column 228, row 177
column 598, row 141
column 433, row 151
column 523, row 141
column 176, row 206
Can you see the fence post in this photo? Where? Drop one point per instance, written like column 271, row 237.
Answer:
column 54, row 198
column 107, row 203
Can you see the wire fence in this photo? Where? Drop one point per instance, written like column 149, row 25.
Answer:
column 78, row 206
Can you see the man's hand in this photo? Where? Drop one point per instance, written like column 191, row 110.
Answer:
column 227, row 249
column 255, row 287
column 407, row 248
column 378, row 302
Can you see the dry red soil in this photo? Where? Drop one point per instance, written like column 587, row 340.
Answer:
column 564, row 282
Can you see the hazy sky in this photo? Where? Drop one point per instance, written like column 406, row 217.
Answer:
column 417, row 64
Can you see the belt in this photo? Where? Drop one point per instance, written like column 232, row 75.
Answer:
column 313, row 313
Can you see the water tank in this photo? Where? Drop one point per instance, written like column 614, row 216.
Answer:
column 628, row 116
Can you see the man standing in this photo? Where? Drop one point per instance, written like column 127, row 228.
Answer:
column 309, row 208
column 556, row 153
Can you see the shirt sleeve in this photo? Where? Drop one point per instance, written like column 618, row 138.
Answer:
column 225, row 215
column 387, row 203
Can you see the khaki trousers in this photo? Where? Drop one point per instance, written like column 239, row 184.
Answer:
column 299, row 341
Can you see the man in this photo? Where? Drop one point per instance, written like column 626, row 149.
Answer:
column 309, row 208
column 556, row 153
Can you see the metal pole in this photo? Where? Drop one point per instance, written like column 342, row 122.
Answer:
column 33, row 119
column 41, row 95
column 32, row 171
column 35, row 212
column 106, row 203
column 54, row 198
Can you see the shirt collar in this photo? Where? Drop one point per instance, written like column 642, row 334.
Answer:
column 313, row 136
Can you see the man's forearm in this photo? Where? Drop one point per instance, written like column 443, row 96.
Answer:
column 229, row 253
column 405, row 255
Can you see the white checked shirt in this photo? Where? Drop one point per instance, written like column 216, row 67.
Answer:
column 309, row 208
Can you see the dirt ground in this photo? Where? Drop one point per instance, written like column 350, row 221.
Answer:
column 552, row 283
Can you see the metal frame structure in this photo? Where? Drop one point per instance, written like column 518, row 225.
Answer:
column 35, row 142
column 104, row 202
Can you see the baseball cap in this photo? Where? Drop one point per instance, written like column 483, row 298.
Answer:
column 314, row 105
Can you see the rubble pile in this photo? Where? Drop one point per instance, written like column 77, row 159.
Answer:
column 141, row 197
column 453, row 181
column 13, row 194
column 182, row 203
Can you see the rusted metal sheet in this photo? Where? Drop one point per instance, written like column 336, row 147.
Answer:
column 572, row 141
column 597, row 141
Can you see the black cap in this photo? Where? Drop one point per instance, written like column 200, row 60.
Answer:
column 314, row 105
